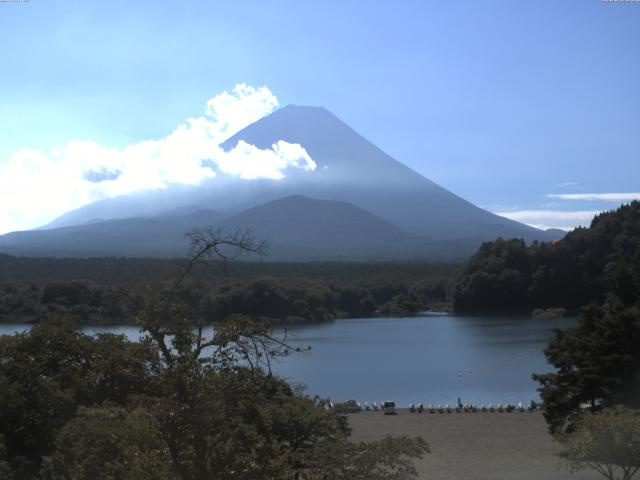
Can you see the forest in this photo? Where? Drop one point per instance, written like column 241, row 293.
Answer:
column 111, row 290
column 503, row 276
column 597, row 362
column 511, row 276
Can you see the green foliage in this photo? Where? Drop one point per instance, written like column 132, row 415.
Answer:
column 310, row 292
column 174, row 405
column 598, row 361
column 496, row 278
column 104, row 443
column 177, row 404
column 356, row 301
column 47, row 373
column 607, row 442
column 277, row 299
column 401, row 304
column 129, row 272
column 80, row 300
column 387, row 459
column 507, row 275
column 5, row 469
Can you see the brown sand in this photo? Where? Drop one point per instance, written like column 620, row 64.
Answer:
column 474, row 446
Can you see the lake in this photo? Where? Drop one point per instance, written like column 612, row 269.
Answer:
column 423, row 359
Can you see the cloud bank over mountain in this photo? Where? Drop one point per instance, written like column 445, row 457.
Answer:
column 606, row 197
column 36, row 186
column 556, row 216
column 546, row 219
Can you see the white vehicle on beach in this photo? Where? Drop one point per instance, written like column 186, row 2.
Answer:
column 389, row 407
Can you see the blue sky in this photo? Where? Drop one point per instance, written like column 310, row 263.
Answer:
column 502, row 102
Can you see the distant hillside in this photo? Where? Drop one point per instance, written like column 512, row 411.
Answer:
column 574, row 271
column 556, row 233
column 296, row 227
column 299, row 228
column 349, row 169
column 163, row 236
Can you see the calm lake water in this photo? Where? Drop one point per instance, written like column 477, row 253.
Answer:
column 429, row 359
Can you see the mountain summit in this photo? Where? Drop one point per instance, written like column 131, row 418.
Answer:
column 353, row 169
column 351, row 173
column 342, row 154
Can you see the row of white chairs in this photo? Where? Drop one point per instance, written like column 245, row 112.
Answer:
column 374, row 406
column 470, row 408
column 446, row 408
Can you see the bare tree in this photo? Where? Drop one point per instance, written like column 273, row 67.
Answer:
column 237, row 340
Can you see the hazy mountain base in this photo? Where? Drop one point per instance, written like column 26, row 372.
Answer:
column 297, row 228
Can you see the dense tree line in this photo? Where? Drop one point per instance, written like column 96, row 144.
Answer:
column 134, row 271
column 594, row 271
column 508, row 275
column 281, row 298
column 598, row 361
column 81, row 300
column 178, row 404
column 320, row 301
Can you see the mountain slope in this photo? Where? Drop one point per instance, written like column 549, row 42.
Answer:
column 349, row 169
column 129, row 237
column 299, row 227
column 296, row 228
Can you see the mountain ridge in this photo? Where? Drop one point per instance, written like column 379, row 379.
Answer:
column 350, row 169
column 297, row 227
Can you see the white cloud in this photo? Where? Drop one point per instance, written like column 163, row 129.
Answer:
column 568, row 184
column 545, row 219
column 249, row 162
column 607, row 197
column 37, row 186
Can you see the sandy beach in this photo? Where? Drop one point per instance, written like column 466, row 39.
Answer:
column 474, row 446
